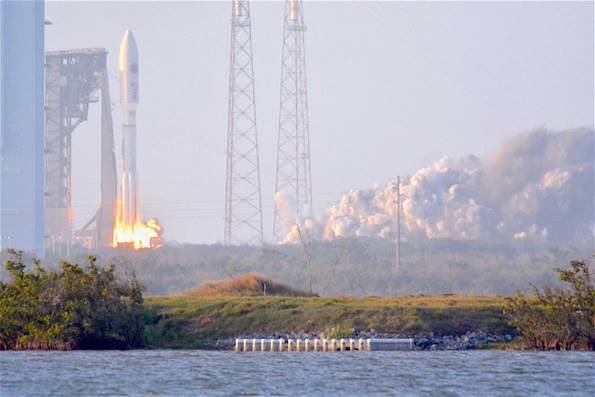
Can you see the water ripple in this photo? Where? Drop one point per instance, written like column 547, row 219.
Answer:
column 190, row 373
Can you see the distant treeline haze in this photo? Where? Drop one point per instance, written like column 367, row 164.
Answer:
column 354, row 266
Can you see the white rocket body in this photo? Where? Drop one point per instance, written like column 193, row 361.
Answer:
column 128, row 67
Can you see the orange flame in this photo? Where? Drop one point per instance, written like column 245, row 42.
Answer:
column 138, row 235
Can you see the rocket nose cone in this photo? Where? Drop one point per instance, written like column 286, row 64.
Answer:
column 128, row 52
column 129, row 37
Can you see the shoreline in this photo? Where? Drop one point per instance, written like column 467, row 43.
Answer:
column 214, row 322
column 469, row 341
column 445, row 322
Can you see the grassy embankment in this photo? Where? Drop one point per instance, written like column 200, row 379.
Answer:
column 192, row 320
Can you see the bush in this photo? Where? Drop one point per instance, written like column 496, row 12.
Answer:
column 557, row 319
column 76, row 307
column 338, row 332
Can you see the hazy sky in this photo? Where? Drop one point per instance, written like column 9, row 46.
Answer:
column 392, row 87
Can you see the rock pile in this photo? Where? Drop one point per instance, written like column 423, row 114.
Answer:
column 468, row 341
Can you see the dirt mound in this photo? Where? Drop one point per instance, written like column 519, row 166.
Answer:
column 251, row 284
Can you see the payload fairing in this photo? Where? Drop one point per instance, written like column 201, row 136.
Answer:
column 128, row 67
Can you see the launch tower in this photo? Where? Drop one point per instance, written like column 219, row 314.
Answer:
column 73, row 78
column 293, row 180
column 243, row 202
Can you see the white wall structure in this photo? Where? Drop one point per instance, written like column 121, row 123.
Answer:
column 22, row 125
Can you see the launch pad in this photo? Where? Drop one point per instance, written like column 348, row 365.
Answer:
column 74, row 80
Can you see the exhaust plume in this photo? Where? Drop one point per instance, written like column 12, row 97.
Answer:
column 536, row 186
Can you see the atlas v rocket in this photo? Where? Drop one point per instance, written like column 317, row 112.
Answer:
column 128, row 66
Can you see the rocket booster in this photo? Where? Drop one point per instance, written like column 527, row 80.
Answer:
column 128, row 67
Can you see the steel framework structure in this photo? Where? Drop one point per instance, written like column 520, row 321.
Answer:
column 72, row 79
column 293, row 183
column 243, row 201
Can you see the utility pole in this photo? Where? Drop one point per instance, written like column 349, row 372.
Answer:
column 307, row 255
column 398, row 226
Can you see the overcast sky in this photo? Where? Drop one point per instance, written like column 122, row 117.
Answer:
column 392, row 87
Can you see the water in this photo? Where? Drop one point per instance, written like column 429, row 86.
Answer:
column 190, row 373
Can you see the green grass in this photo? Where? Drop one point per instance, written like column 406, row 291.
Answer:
column 188, row 321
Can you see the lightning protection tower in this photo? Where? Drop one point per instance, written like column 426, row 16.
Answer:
column 243, row 202
column 293, row 180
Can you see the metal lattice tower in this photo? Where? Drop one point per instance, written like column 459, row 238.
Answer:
column 293, row 180
column 73, row 78
column 243, row 202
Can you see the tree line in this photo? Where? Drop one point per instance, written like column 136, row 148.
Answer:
column 354, row 266
column 74, row 307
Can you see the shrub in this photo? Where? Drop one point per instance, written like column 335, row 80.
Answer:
column 557, row 319
column 74, row 307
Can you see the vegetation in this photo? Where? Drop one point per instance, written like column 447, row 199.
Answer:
column 352, row 266
column 75, row 307
column 557, row 318
column 251, row 284
column 89, row 306
column 337, row 332
column 191, row 321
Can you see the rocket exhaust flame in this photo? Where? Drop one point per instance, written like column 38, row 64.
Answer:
column 136, row 235
column 129, row 229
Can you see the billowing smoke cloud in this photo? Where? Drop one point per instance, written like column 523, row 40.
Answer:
column 538, row 186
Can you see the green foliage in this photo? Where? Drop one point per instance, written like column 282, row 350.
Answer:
column 193, row 321
column 74, row 307
column 557, row 319
column 338, row 331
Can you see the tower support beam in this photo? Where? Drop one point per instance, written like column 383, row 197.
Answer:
column 243, row 201
column 293, row 183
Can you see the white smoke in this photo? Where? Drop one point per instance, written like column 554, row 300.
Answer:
column 290, row 222
column 538, row 186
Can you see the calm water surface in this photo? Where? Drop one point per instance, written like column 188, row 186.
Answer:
column 190, row 373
